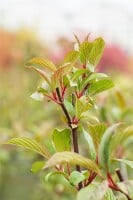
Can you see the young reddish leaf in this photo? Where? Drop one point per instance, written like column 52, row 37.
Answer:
column 73, row 159
column 57, row 77
column 41, row 62
column 31, row 145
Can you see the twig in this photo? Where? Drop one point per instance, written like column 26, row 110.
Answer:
column 125, row 194
column 119, row 174
column 64, row 108
column 73, row 130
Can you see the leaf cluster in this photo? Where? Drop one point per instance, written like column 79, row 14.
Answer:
column 73, row 87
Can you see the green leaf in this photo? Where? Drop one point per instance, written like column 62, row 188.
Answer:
column 97, row 76
column 62, row 139
column 90, row 143
column 90, row 67
column 85, row 49
column 92, row 51
column 31, row 145
column 78, row 73
column 127, row 162
column 96, row 131
column 93, row 191
column 86, row 173
column 37, row 166
column 92, row 78
column 73, row 159
column 96, row 51
column 71, row 57
column 76, row 177
column 104, row 148
column 126, row 133
column 100, row 86
column 69, row 107
column 41, row 62
column 50, row 174
column 66, row 81
column 79, row 108
column 122, row 136
column 109, row 195
column 82, row 105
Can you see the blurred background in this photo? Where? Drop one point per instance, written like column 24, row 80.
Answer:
column 45, row 28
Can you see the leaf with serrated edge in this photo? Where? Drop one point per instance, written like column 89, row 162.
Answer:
column 73, row 159
column 31, row 145
column 104, row 147
column 41, row 62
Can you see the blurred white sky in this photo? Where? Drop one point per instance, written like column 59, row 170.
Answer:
column 112, row 19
